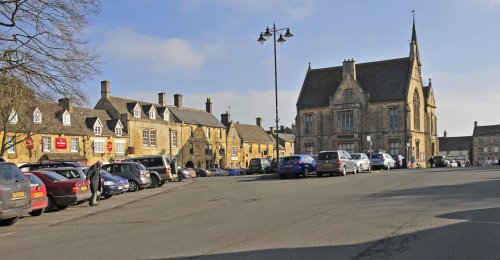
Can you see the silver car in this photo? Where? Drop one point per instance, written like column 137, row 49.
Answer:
column 15, row 194
column 362, row 162
column 335, row 162
column 383, row 161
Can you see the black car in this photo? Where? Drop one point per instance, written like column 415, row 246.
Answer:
column 274, row 165
column 136, row 174
column 441, row 161
column 200, row 172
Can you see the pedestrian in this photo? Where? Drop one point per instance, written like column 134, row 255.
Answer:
column 94, row 176
column 431, row 161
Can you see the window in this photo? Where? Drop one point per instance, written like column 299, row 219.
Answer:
column 98, row 127
column 119, row 129
column 37, row 116
column 174, row 138
column 416, row 111
column 152, row 137
column 219, row 133
column 394, row 118
column 309, row 123
column 348, row 94
column 46, row 144
column 345, row 121
column 417, row 147
column 233, row 135
column 258, row 148
column 310, row 149
column 66, row 118
column 347, row 147
column 74, row 145
column 137, row 111
column 11, row 143
column 485, row 149
column 250, row 148
column 13, row 119
column 233, row 150
column 152, row 114
column 208, row 132
column 191, row 131
column 394, row 147
column 120, row 146
column 166, row 115
column 208, row 149
column 145, row 137
column 98, row 145
column 191, row 149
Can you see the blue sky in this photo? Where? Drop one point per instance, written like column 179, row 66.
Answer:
column 209, row 48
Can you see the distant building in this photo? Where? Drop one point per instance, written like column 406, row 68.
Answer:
column 486, row 143
column 459, row 147
column 339, row 107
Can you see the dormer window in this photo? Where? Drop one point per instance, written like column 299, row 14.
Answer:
column 137, row 111
column 166, row 116
column 66, row 118
column 13, row 118
column 152, row 114
column 119, row 129
column 98, row 127
column 37, row 116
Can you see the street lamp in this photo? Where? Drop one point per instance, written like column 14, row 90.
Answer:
column 262, row 38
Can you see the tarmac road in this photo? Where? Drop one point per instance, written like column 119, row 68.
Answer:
column 396, row 214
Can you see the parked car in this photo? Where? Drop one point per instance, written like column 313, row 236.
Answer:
column 15, row 199
column 382, row 160
column 201, row 172
column 39, row 199
column 35, row 166
column 441, row 161
column 399, row 160
column 258, row 165
column 123, row 181
column 362, row 162
column 233, row 172
column 2, row 159
column 68, row 172
column 137, row 175
column 111, row 185
column 183, row 173
column 161, row 167
column 63, row 192
column 335, row 162
column 453, row 164
column 297, row 165
column 274, row 164
column 216, row 172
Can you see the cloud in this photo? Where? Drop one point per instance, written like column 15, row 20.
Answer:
column 161, row 55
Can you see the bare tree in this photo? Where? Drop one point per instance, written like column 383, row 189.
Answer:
column 41, row 45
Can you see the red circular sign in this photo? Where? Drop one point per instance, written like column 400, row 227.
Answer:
column 109, row 146
column 29, row 143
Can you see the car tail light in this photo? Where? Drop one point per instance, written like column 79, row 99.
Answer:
column 141, row 172
column 339, row 162
column 167, row 170
column 75, row 189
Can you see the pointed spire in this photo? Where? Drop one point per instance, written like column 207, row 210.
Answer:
column 430, row 82
column 309, row 68
column 414, row 51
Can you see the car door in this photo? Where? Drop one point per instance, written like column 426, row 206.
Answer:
column 351, row 164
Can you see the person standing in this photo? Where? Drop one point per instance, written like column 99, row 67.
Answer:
column 94, row 176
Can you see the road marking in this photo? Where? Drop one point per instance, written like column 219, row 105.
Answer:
column 7, row 234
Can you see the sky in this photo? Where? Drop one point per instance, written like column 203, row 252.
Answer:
column 208, row 49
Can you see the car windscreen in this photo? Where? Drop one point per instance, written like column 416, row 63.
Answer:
column 254, row 161
column 291, row 158
column 141, row 167
column 34, row 181
column 54, row 176
column 377, row 156
column 328, row 156
column 10, row 173
column 356, row 156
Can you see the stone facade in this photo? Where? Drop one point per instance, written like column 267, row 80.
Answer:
column 486, row 143
column 459, row 147
column 339, row 107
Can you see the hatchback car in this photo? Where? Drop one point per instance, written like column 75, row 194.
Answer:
column 39, row 199
column 68, row 172
column 201, row 172
column 362, row 162
column 123, row 181
column 35, row 166
column 111, row 186
column 63, row 192
column 258, row 165
column 297, row 165
column 335, row 162
column 15, row 198
column 382, row 160
column 137, row 175
column 217, row 172
column 161, row 168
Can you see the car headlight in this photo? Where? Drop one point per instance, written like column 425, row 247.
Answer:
column 109, row 183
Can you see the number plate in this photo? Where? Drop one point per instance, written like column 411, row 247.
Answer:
column 83, row 188
column 18, row 194
column 290, row 166
column 38, row 194
column 326, row 164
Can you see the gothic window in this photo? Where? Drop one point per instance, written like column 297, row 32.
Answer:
column 309, row 123
column 345, row 121
column 416, row 110
column 394, row 118
column 394, row 147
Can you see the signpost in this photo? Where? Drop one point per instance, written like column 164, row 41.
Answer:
column 109, row 146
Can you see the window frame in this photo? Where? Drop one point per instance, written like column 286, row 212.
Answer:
column 46, row 146
column 120, row 146
column 98, row 145
column 72, row 145
column 66, row 118
column 11, row 141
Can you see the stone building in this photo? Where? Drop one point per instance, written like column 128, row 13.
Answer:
column 339, row 107
column 486, row 143
column 459, row 147
column 63, row 132
column 245, row 142
column 286, row 140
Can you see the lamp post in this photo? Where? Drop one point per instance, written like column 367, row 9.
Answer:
column 263, row 37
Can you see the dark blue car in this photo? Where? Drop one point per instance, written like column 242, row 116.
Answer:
column 297, row 165
column 112, row 186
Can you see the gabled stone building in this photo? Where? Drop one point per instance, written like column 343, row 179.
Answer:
column 339, row 107
column 486, row 143
column 458, row 147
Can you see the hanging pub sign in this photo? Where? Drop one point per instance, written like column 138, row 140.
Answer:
column 30, row 143
column 61, row 143
column 109, row 146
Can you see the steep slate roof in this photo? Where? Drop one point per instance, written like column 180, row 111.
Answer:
column 455, row 143
column 486, row 130
column 287, row 137
column 253, row 133
column 195, row 116
column 384, row 80
column 126, row 106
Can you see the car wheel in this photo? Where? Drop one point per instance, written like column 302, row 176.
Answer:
column 344, row 171
column 155, row 182
column 180, row 177
column 306, row 173
column 9, row 222
column 133, row 186
column 163, row 182
column 319, row 175
column 51, row 205
column 36, row 213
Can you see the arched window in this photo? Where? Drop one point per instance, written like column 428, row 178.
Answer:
column 416, row 110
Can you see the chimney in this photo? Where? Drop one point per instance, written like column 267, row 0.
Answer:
column 475, row 123
column 178, row 100
column 445, row 134
column 208, row 106
column 282, row 129
column 259, row 121
column 162, row 99
column 271, row 129
column 225, row 118
column 349, row 68
column 65, row 104
column 105, row 88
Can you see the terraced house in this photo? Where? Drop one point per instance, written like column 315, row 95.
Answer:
column 340, row 107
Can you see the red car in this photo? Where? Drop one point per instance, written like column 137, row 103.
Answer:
column 39, row 200
column 62, row 191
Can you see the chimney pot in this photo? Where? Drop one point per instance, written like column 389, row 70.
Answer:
column 105, row 88
column 259, row 121
column 349, row 68
column 65, row 104
column 475, row 123
column 225, row 119
column 445, row 134
column 208, row 106
column 178, row 100
column 162, row 99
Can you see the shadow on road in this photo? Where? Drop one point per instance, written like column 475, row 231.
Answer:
column 474, row 238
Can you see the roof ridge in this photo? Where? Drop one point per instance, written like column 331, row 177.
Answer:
column 364, row 63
